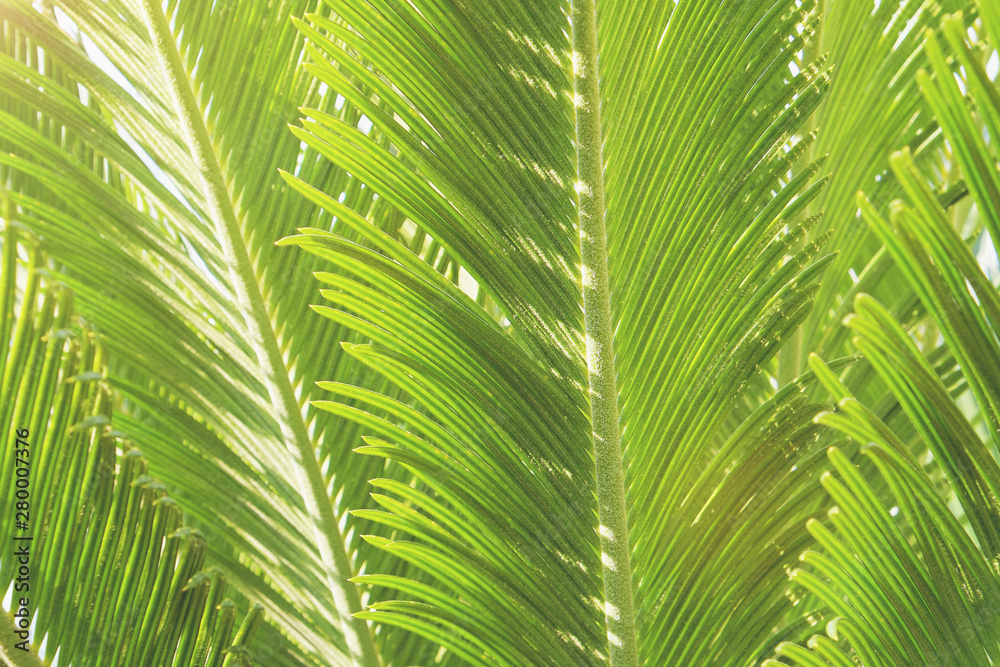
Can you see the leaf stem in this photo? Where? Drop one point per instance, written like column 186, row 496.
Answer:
column 262, row 338
column 615, row 552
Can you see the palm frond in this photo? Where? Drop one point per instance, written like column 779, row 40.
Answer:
column 910, row 575
column 102, row 569
column 874, row 107
column 500, row 436
column 107, row 181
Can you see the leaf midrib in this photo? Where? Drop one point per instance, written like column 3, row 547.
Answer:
column 262, row 339
column 599, row 334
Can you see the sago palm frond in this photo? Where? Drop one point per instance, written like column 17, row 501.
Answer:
column 562, row 525
column 164, row 220
column 99, row 565
column 912, row 575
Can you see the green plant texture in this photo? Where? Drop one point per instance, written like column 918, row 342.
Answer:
column 520, row 333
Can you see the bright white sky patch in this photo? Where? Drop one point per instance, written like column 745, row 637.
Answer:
column 986, row 256
column 95, row 54
column 467, row 283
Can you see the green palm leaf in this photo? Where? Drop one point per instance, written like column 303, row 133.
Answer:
column 103, row 569
column 552, row 408
column 918, row 588
column 509, row 512
column 136, row 232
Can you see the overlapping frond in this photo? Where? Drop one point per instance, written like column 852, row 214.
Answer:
column 98, row 163
column 910, row 572
column 874, row 107
column 100, row 567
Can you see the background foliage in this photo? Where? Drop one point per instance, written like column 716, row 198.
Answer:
column 609, row 361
